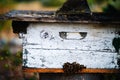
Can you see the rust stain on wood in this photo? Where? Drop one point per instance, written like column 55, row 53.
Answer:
column 58, row 70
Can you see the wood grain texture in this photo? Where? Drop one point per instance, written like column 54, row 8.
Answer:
column 87, row 44
column 58, row 70
column 39, row 58
column 50, row 16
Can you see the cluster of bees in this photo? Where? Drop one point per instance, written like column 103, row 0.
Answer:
column 72, row 68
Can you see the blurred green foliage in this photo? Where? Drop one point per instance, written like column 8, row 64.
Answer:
column 33, row 78
column 115, row 3
column 17, row 60
column 112, row 6
column 6, row 66
column 52, row 2
column 56, row 3
column 2, row 23
column 18, row 1
column 5, row 53
column 4, row 3
column 109, row 5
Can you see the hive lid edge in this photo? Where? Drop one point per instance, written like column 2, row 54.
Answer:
column 50, row 16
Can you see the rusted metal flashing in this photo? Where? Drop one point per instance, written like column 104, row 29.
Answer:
column 20, row 26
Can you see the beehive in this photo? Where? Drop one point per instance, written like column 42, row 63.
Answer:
column 51, row 39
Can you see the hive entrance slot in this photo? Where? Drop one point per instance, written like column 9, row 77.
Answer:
column 73, row 35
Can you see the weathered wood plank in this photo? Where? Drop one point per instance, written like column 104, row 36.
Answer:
column 47, row 36
column 47, row 70
column 50, row 16
column 87, row 44
column 39, row 58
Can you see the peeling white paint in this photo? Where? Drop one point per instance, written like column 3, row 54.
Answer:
column 39, row 58
column 47, row 49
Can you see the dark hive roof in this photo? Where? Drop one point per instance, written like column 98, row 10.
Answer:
column 75, row 6
column 75, row 11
